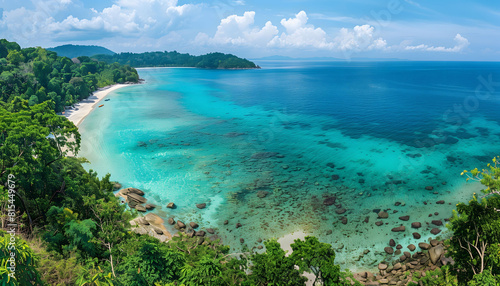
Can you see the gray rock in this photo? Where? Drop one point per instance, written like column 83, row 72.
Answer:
column 411, row 247
column 435, row 253
column 210, row 230
column 136, row 198
column 201, row 206
column 416, row 235
column 392, row 243
column 180, row 224
column 140, row 208
column 150, row 207
column 238, row 225
column 171, row 221
column 379, row 223
column 171, row 205
column 193, row 225
column 416, row 225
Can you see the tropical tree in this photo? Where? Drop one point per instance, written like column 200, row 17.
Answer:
column 17, row 262
column 273, row 267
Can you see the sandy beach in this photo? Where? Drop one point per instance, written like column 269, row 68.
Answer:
column 84, row 107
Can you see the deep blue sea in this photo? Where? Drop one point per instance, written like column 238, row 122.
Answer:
column 266, row 147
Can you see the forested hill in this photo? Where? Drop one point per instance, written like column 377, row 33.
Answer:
column 74, row 51
column 39, row 75
column 175, row 59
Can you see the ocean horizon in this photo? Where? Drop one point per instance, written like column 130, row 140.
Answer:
column 316, row 147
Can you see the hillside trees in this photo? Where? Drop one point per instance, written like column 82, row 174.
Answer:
column 33, row 73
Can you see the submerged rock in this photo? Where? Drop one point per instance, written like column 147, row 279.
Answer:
column 388, row 250
column 201, row 206
column 171, row 205
column 140, row 208
column 329, row 201
column 340, row 211
column 264, row 155
column 405, row 218
column 193, row 225
column 416, row 225
column 399, row 229
column 383, row 214
column 262, row 194
column 437, row 222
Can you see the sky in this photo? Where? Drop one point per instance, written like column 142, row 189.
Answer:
column 404, row 29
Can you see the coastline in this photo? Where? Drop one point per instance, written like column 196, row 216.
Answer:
column 85, row 107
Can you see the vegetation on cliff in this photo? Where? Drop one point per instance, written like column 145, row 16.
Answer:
column 175, row 59
column 39, row 75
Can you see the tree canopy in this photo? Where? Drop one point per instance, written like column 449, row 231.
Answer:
column 175, row 59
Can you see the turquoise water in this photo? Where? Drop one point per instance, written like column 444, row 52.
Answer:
column 369, row 134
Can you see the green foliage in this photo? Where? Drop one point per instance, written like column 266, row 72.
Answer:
column 57, row 270
column 318, row 258
column 208, row 262
column 488, row 177
column 484, row 279
column 175, row 59
column 274, row 268
column 17, row 262
column 476, row 236
column 438, row 277
column 153, row 262
column 25, row 70
column 94, row 276
column 73, row 51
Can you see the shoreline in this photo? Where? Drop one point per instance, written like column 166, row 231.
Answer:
column 85, row 107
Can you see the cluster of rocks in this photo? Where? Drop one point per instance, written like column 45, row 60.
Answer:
column 430, row 256
column 135, row 199
column 192, row 229
column 152, row 225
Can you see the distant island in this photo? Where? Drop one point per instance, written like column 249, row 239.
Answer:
column 74, row 51
column 176, row 59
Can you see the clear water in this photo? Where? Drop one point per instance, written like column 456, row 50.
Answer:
column 369, row 133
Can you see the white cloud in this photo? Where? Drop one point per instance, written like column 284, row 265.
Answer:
column 300, row 34
column 240, row 30
column 360, row 38
column 124, row 18
column 460, row 44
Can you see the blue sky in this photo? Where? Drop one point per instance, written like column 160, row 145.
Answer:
column 407, row 29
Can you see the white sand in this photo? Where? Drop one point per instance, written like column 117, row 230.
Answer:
column 84, row 107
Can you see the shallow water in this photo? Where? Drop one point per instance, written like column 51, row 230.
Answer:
column 368, row 134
